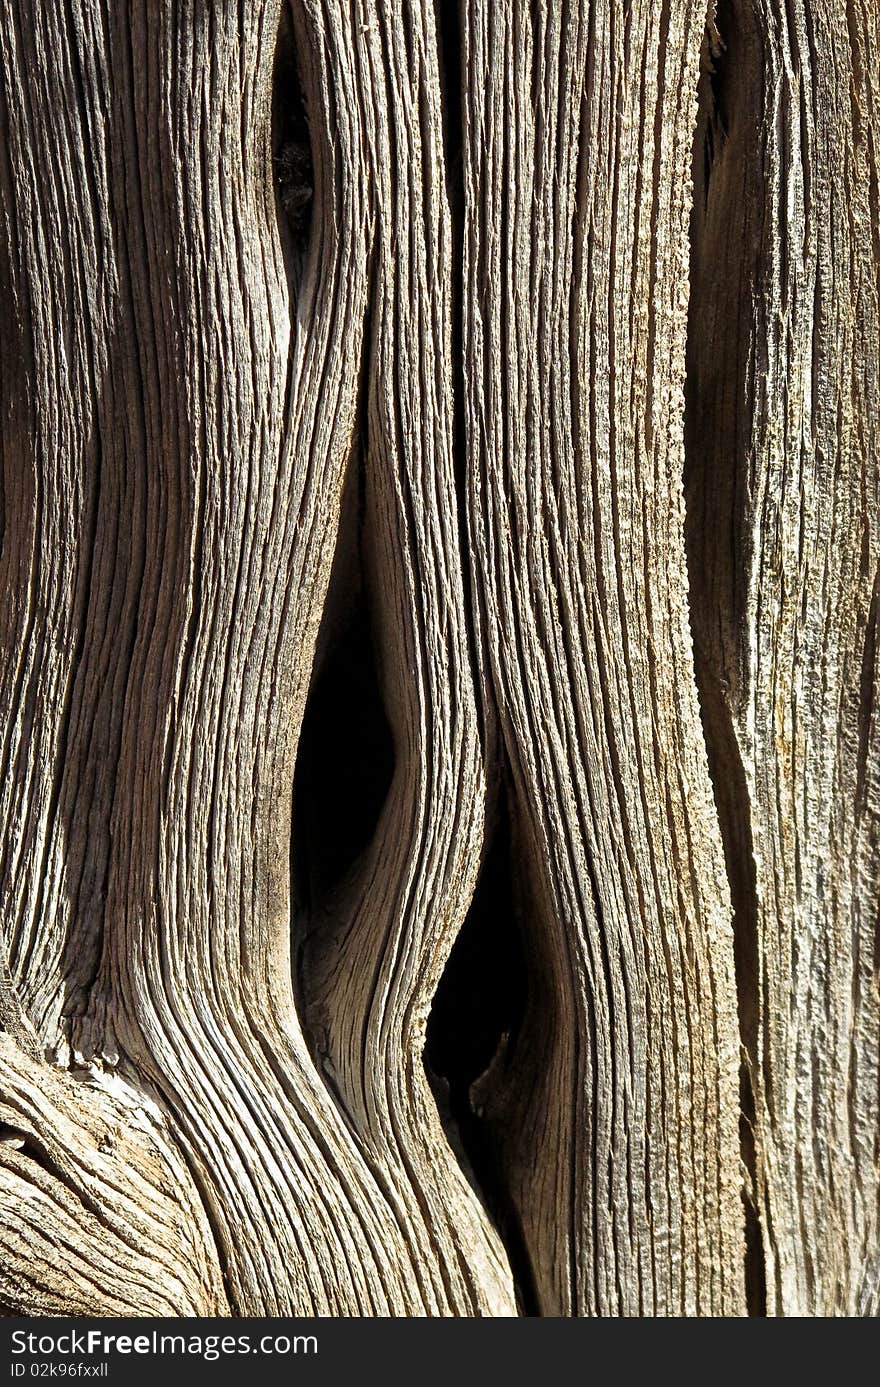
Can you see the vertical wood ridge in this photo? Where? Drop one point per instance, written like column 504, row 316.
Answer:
column 376, row 972
column 783, row 408
column 619, row 1117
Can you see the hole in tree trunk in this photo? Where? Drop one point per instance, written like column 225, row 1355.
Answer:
column 449, row 29
column 292, row 164
column 345, row 759
column 475, row 1020
column 481, row 997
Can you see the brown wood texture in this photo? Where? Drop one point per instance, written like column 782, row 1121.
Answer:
column 439, row 771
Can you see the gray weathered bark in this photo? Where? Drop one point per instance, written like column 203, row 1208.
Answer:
column 543, row 343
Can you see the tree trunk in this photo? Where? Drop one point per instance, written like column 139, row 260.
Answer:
column 439, row 772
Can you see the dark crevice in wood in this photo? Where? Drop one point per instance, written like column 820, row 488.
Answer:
column 83, row 950
column 475, row 1021
column 345, row 758
column 449, row 27
column 18, row 1140
column 725, row 158
column 755, row 1275
column 715, row 69
column 449, row 40
column 292, row 160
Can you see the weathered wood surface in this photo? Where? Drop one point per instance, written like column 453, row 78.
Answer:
column 547, row 334
column 784, row 499
column 619, row 1112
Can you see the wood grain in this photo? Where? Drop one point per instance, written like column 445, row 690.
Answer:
column 543, row 339
column 784, row 408
column 618, row 1110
